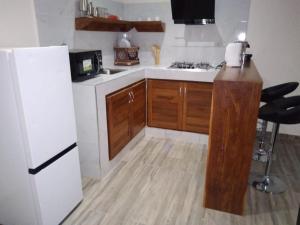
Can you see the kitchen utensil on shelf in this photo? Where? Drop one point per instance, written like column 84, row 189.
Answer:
column 100, row 11
column 95, row 12
column 113, row 17
column 105, row 12
column 83, row 7
column 156, row 54
column 90, row 9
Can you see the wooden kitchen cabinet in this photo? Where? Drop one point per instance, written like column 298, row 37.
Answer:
column 165, row 104
column 179, row 105
column 126, row 116
column 138, row 108
column 118, row 124
column 196, row 107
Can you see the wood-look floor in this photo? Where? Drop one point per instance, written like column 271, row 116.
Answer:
column 160, row 182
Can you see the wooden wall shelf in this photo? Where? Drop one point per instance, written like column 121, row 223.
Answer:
column 149, row 26
column 103, row 24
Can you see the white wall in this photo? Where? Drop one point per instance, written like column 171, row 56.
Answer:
column 18, row 26
column 56, row 23
column 188, row 43
column 274, row 36
column 56, row 26
column 55, row 20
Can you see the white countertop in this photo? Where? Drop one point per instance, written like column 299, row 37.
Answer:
column 155, row 72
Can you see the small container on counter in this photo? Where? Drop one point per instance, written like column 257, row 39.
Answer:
column 127, row 56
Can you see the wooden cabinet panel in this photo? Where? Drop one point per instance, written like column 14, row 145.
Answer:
column 196, row 107
column 126, row 116
column 179, row 105
column 138, row 108
column 165, row 104
column 235, row 105
column 118, row 111
column 173, row 105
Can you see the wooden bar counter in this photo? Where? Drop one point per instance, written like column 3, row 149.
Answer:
column 235, row 105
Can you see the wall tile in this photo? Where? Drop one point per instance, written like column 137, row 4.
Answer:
column 179, row 42
column 189, row 43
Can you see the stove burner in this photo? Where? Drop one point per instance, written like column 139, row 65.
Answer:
column 203, row 65
column 190, row 65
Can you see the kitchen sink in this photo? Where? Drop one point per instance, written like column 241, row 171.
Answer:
column 108, row 71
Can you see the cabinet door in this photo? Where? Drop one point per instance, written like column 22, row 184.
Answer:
column 196, row 106
column 165, row 104
column 118, row 123
column 138, row 108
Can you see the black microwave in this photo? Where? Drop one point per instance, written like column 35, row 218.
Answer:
column 85, row 64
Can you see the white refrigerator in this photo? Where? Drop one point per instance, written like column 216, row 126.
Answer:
column 40, row 182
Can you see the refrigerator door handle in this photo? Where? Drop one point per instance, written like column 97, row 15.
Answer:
column 52, row 160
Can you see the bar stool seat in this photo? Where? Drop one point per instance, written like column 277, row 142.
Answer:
column 269, row 95
column 278, row 91
column 281, row 111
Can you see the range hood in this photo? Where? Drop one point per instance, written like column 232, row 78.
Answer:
column 193, row 12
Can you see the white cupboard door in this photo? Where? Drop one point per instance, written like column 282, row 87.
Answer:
column 58, row 188
column 44, row 88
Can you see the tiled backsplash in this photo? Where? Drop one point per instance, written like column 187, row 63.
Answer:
column 179, row 42
column 194, row 42
column 56, row 25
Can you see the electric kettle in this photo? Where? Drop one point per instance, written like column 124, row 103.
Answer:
column 233, row 54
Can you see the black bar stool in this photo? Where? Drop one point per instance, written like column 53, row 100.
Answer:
column 281, row 111
column 268, row 95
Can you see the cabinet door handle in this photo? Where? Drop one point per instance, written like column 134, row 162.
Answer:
column 130, row 98
column 132, row 95
column 180, row 91
column 184, row 90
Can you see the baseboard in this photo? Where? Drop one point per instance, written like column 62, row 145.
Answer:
column 176, row 135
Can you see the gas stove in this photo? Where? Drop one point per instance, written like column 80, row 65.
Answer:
column 191, row 65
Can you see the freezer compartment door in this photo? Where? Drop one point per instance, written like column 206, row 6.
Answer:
column 44, row 90
column 58, row 188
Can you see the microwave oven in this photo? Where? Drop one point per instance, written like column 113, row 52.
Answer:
column 85, row 64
